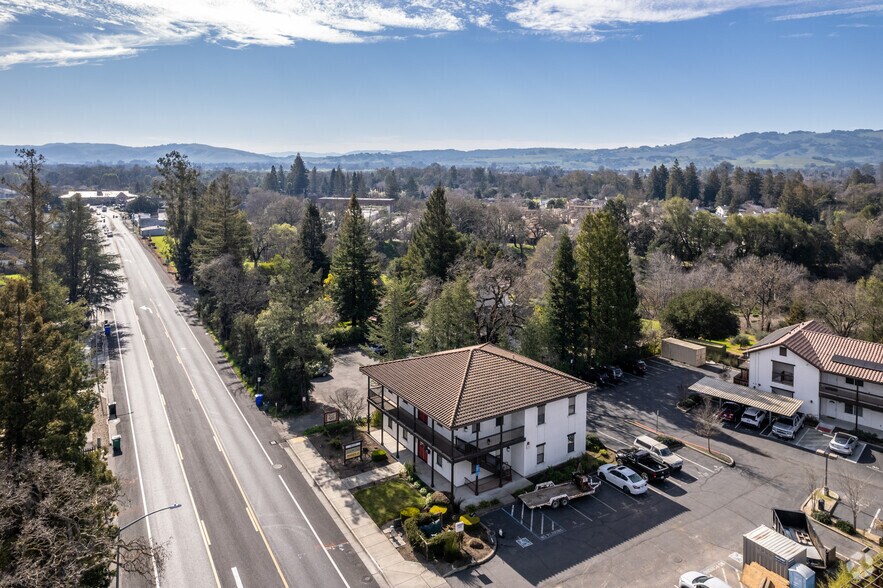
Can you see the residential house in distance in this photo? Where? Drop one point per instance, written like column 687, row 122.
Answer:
column 477, row 416
column 98, row 197
column 837, row 378
column 151, row 225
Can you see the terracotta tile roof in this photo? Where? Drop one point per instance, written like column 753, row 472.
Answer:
column 830, row 353
column 471, row 384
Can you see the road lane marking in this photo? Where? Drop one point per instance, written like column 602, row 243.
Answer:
column 204, row 532
column 178, row 449
column 696, row 464
column 316, row 535
column 162, row 398
column 135, row 449
column 181, row 463
column 236, row 578
column 217, row 443
column 254, row 521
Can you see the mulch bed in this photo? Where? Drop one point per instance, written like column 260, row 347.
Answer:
column 334, row 456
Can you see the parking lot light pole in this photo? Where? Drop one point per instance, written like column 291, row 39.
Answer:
column 826, row 453
column 138, row 520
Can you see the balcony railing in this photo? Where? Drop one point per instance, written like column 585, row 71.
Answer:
column 460, row 449
column 870, row 401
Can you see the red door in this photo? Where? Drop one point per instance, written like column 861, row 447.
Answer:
column 421, row 450
column 422, row 416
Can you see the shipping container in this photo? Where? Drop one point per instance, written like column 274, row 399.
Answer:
column 772, row 550
column 683, row 351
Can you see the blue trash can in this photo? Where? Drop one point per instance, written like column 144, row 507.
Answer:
column 259, row 400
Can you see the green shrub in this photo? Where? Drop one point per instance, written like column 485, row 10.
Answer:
column 338, row 428
column 822, row 516
column 343, row 335
column 336, row 443
column 845, row 526
column 424, row 491
column 467, row 508
column 593, row 443
column 378, row 455
column 415, row 484
column 411, row 526
column 377, row 419
column 409, row 471
column 469, row 521
column 702, row 313
column 484, row 504
column 672, row 443
column 439, row 498
column 445, row 545
column 741, row 340
column 411, row 511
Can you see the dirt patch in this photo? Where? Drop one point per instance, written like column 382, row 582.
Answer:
column 476, row 544
column 331, row 449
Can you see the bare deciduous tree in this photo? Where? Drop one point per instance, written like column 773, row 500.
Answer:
column 835, row 302
column 765, row 284
column 707, row 422
column 854, row 495
column 350, row 402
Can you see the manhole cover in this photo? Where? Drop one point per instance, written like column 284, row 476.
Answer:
column 277, row 466
column 367, row 580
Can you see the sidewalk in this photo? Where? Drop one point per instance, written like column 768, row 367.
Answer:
column 391, row 568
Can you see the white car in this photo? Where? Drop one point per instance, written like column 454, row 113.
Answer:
column 700, row 580
column 623, row 478
column 843, row 443
column 753, row 417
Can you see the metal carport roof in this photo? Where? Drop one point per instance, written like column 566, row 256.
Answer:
column 775, row 403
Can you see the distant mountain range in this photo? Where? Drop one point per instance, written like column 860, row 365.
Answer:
column 799, row 149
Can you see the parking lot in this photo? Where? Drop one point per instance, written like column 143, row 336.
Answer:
column 692, row 521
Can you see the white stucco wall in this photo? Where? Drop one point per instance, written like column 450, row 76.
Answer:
column 806, row 377
column 554, row 434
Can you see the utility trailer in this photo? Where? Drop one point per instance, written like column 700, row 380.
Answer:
column 555, row 495
column 796, row 526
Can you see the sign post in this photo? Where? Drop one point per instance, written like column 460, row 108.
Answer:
column 352, row 451
column 330, row 416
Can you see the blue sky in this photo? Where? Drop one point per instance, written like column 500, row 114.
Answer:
column 342, row 75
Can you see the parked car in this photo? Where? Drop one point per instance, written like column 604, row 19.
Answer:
column 753, row 417
column 843, row 443
column 643, row 463
column 613, row 372
column 700, row 580
column 318, row 369
column 731, row 412
column 599, row 377
column 377, row 348
column 788, row 427
column 623, row 478
column 637, row 367
column 659, row 451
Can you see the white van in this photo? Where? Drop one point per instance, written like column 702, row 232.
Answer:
column 659, row 452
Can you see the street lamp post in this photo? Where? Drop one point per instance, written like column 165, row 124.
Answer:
column 138, row 520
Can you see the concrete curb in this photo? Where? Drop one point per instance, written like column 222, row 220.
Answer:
column 476, row 562
column 858, row 538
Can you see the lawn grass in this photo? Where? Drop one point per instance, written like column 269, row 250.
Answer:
column 731, row 348
column 385, row 501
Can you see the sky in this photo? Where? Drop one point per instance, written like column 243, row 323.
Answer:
column 369, row 75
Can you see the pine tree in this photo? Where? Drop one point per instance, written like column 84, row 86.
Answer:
column 692, row 190
column 712, row 187
column 332, row 183
column 297, row 177
column 392, row 185
column 413, row 191
column 725, row 193
column 281, row 181
column 28, row 223
column 435, row 243
column 354, row 270
column 179, row 186
column 608, row 286
column 675, row 187
column 565, row 308
column 222, row 228
column 662, row 181
column 450, row 319
column 271, row 180
column 312, row 238
column 394, row 331
column 314, row 181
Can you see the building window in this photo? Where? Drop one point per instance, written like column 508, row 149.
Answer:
column 389, row 421
column 438, row 459
column 853, row 409
column 783, row 373
column 499, row 421
column 855, row 382
column 571, row 405
column 571, row 443
column 541, row 453
column 476, row 427
column 541, row 414
column 783, row 351
column 404, row 434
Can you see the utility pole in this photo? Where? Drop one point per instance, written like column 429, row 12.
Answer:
column 138, row 520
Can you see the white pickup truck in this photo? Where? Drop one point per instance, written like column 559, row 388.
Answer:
column 788, row 427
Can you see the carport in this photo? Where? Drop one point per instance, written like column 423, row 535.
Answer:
column 766, row 401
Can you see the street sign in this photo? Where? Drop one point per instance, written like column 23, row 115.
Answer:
column 459, row 527
column 352, row 451
column 331, row 416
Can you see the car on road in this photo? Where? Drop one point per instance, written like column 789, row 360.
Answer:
column 623, row 478
column 731, row 412
column 614, row 372
column 787, row 427
column 843, row 443
column 700, row 580
column 753, row 417
column 637, row 367
column 598, row 377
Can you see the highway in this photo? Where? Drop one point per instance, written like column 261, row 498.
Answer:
column 191, row 436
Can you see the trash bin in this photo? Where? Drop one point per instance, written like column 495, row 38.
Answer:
column 259, row 400
column 821, row 504
column 112, row 411
column 116, row 441
column 107, row 330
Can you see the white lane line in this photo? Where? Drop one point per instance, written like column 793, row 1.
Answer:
column 178, row 449
column 204, row 532
column 316, row 535
column 254, row 521
column 602, row 502
column 181, row 463
column 614, row 438
column 217, row 443
column 135, row 449
column 694, row 463
column 236, row 578
column 581, row 513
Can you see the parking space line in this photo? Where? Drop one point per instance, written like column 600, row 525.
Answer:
column 628, row 494
column 802, row 435
column 582, row 514
column 602, row 502
column 695, row 463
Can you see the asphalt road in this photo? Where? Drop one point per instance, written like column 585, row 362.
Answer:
column 190, row 435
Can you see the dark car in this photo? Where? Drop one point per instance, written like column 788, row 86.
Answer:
column 731, row 412
column 637, row 367
column 599, row 377
column 613, row 372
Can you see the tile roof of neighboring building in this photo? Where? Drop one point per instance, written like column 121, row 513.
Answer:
column 471, row 384
column 831, row 353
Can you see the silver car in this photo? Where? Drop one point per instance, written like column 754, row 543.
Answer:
column 843, row 443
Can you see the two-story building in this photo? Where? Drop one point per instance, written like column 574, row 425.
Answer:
column 836, row 377
column 476, row 415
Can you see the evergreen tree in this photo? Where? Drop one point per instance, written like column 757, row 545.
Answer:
column 179, row 186
column 297, row 177
column 394, row 331
column 454, row 177
column 391, row 184
column 712, row 187
column 768, row 192
column 86, row 269
column 271, row 180
column 222, row 228
column 355, row 273
column 662, row 181
column 332, row 183
column 724, row 194
column 312, row 238
column 413, row 191
column 608, row 286
column 450, row 319
column 281, row 181
column 652, row 182
column 676, row 185
column 27, row 221
column 314, row 181
column 565, row 309
column 637, row 184
column 435, row 243
column 691, row 183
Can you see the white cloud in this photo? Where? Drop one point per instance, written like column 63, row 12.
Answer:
column 834, row 12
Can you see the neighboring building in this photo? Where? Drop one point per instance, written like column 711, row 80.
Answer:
column 94, row 197
column 479, row 406
column 835, row 377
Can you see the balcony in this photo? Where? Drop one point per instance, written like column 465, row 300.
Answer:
column 865, row 400
column 460, row 450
